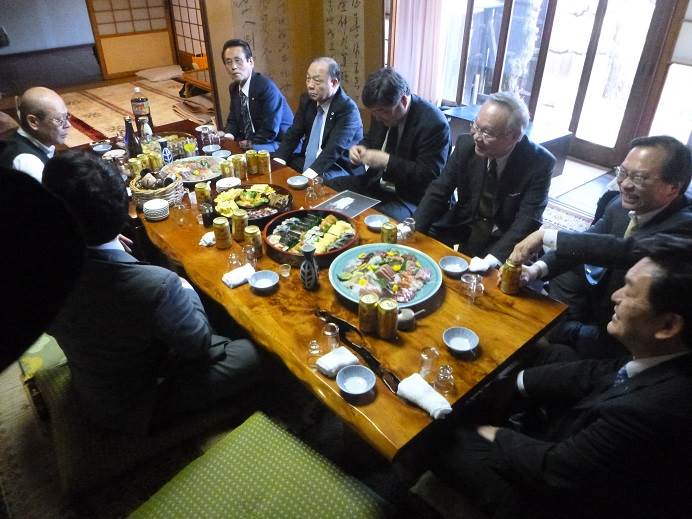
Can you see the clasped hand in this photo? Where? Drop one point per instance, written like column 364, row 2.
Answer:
column 372, row 158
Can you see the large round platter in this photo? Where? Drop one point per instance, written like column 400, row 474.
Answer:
column 258, row 215
column 295, row 259
column 209, row 168
column 426, row 292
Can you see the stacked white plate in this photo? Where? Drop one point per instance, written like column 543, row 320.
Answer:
column 155, row 209
column 226, row 183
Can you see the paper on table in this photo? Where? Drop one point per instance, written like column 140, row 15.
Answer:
column 417, row 390
column 208, row 239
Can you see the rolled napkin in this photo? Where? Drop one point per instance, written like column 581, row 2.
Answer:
column 238, row 276
column 208, row 239
column 417, row 390
column 482, row 264
column 332, row 362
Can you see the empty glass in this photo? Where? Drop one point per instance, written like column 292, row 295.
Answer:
column 428, row 357
column 444, row 381
column 318, row 186
column 179, row 211
column 314, row 353
column 472, row 286
column 408, row 228
column 249, row 255
column 284, row 270
column 234, row 261
column 310, row 197
column 330, row 336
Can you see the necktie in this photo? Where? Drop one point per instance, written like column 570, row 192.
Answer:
column 482, row 226
column 245, row 112
column 314, row 141
column 620, row 377
column 487, row 202
column 632, row 227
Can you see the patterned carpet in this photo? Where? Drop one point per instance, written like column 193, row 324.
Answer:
column 561, row 216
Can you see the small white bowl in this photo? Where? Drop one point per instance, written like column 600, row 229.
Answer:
column 211, row 148
column 101, row 147
column 226, row 183
column 355, row 380
column 155, row 204
column 298, row 182
column 453, row 266
column 221, row 154
column 264, row 281
column 462, row 341
column 374, row 222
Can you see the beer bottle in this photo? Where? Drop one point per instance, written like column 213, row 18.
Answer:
column 140, row 108
column 132, row 143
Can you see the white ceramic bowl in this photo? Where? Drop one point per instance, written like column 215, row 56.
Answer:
column 453, row 266
column 101, row 147
column 462, row 341
column 226, row 183
column 298, row 181
column 264, row 281
column 155, row 204
column 374, row 222
column 209, row 149
column 355, row 380
column 221, row 154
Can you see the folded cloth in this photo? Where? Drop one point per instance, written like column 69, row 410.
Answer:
column 417, row 390
column 482, row 264
column 332, row 362
column 238, row 276
column 208, row 239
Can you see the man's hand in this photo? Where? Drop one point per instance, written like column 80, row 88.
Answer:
column 375, row 159
column 356, row 153
column 125, row 242
column 528, row 274
column 523, row 250
column 487, row 431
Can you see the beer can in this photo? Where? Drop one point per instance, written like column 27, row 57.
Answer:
column 251, row 159
column 264, row 166
column 367, row 313
column 253, row 236
column 239, row 166
column 239, row 222
column 222, row 232
column 135, row 166
column 510, row 275
column 226, row 170
column 144, row 159
column 387, row 315
column 388, row 233
column 202, row 192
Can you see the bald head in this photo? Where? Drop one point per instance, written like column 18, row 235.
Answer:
column 43, row 114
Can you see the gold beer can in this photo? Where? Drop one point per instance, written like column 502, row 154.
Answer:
column 144, row 159
column 222, row 232
column 251, row 159
column 388, row 233
column 226, row 169
column 367, row 313
column 202, row 192
column 135, row 166
column 387, row 315
column 239, row 222
column 510, row 276
column 264, row 166
column 239, row 166
column 253, row 236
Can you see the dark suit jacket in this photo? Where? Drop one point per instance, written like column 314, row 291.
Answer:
column 342, row 129
column 270, row 113
column 16, row 145
column 621, row 451
column 521, row 199
column 420, row 155
column 124, row 325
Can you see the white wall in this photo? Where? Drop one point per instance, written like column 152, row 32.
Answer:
column 44, row 24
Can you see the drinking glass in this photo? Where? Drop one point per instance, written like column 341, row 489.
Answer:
column 284, row 270
column 250, row 255
column 408, row 228
column 444, row 381
column 472, row 286
column 314, row 353
column 310, row 197
column 330, row 335
column 318, row 186
column 178, row 210
column 234, row 261
column 428, row 357
column 190, row 147
column 204, row 137
column 214, row 137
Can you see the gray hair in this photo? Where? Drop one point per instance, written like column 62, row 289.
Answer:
column 519, row 113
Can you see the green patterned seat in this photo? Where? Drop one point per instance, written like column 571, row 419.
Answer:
column 261, row 470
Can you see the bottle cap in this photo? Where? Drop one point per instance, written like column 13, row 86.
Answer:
column 136, row 89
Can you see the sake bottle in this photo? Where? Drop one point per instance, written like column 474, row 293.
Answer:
column 308, row 268
column 132, row 144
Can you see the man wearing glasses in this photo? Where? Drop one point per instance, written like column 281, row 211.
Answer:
column 327, row 120
column 43, row 123
column 586, row 268
column 502, row 182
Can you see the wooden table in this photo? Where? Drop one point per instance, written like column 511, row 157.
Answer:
column 283, row 322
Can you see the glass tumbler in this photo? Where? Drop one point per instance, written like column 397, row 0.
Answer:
column 250, row 255
column 314, row 353
column 310, row 197
column 472, row 286
column 330, row 336
column 444, row 381
column 428, row 357
column 318, row 186
column 408, row 228
column 284, row 270
column 234, row 261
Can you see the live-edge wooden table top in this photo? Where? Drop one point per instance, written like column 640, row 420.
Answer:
column 284, row 322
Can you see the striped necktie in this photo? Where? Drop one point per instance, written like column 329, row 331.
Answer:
column 632, row 227
column 620, row 377
column 245, row 112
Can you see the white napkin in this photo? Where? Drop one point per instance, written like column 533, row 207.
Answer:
column 482, row 264
column 208, row 239
column 238, row 276
column 333, row 361
column 418, row 391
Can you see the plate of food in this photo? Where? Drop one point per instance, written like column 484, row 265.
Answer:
column 195, row 169
column 389, row 270
column 261, row 201
column 329, row 231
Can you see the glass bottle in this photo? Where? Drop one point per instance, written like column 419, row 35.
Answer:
column 132, row 143
column 308, row 268
column 145, row 132
column 140, row 108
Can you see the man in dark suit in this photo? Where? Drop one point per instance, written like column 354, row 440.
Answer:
column 405, row 148
column 259, row 114
column 43, row 123
column 615, row 439
column 137, row 339
column 502, row 182
column 327, row 121
column 652, row 181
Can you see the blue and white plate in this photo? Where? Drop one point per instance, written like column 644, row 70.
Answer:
column 343, row 259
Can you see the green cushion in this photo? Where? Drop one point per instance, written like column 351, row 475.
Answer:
column 261, row 470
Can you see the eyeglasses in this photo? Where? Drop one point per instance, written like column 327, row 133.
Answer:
column 637, row 178
column 61, row 121
column 317, row 80
column 485, row 134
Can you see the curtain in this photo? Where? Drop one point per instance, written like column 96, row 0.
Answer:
column 417, row 29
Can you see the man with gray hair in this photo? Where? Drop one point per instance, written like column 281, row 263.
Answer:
column 502, row 182
column 43, row 123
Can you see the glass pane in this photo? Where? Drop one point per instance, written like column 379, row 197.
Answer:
column 451, row 38
column 523, row 44
column 569, row 39
column 480, row 66
column 619, row 50
column 674, row 117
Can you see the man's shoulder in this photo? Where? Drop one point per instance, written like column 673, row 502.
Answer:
column 528, row 148
column 423, row 110
column 342, row 101
column 261, row 82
